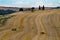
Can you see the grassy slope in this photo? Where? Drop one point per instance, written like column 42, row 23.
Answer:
column 29, row 26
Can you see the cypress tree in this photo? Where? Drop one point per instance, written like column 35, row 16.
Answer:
column 39, row 7
column 43, row 8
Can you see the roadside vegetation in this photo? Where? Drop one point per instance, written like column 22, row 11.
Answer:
column 4, row 19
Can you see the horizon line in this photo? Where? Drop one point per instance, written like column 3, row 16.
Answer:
column 25, row 7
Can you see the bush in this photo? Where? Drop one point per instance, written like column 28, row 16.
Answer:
column 33, row 9
column 21, row 9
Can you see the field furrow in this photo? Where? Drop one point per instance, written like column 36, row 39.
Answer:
column 39, row 25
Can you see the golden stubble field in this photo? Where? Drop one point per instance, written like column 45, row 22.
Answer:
column 39, row 25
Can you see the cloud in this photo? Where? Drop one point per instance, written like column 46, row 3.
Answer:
column 22, row 4
column 19, row 3
column 27, row 4
column 52, row 5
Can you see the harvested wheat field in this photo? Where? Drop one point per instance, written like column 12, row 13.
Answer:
column 38, row 25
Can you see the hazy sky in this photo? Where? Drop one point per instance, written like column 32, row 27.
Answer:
column 29, row 3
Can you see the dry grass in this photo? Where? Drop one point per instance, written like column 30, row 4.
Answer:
column 4, row 19
column 29, row 26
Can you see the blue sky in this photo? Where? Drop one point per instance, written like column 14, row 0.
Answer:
column 29, row 3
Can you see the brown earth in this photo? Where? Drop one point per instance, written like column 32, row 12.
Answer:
column 39, row 25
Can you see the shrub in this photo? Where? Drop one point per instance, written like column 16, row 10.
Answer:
column 21, row 9
column 32, row 9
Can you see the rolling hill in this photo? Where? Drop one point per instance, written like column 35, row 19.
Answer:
column 39, row 25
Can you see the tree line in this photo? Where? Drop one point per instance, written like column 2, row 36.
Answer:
column 4, row 12
column 33, row 8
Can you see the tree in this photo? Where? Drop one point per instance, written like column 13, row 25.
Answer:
column 32, row 9
column 43, row 8
column 58, row 6
column 21, row 9
column 39, row 7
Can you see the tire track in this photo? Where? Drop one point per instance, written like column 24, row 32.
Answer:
column 41, row 28
column 27, row 20
column 6, row 34
column 52, row 35
column 22, row 21
column 56, row 24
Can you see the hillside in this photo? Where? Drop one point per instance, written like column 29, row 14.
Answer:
column 39, row 25
column 9, row 8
